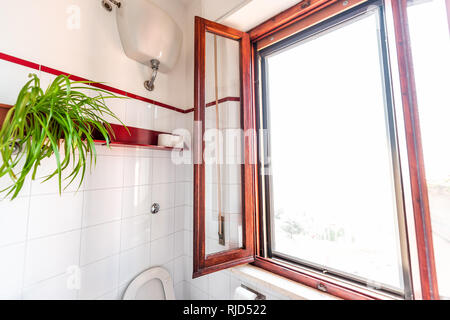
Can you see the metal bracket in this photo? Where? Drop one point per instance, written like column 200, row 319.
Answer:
column 222, row 230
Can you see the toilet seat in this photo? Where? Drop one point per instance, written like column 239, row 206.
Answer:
column 136, row 289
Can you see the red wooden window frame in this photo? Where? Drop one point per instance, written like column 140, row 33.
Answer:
column 204, row 264
column 295, row 19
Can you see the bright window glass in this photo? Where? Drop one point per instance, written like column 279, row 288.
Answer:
column 333, row 199
column 430, row 42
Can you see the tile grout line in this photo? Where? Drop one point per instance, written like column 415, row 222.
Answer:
column 24, row 266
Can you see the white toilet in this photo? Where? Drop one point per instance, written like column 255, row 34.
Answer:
column 152, row 284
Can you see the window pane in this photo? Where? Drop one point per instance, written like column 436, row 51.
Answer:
column 332, row 182
column 429, row 31
column 223, row 144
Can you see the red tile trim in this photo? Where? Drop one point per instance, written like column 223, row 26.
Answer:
column 58, row 72
column 21, row 62
column 103, row 86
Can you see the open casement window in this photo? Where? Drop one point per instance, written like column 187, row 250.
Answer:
column 224, row 149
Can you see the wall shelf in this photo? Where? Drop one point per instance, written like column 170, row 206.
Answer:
column 136, row 137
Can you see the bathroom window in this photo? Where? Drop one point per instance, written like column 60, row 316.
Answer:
column 333, row 198
column 331, row 189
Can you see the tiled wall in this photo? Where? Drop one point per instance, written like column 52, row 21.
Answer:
column 90, row 243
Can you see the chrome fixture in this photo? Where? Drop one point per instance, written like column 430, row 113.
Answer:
column 259, row 296
column 107, row 4
column 17, row 148
column 150, row 84
column 155, row 208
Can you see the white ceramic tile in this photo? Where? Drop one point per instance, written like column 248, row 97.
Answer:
column 163, row 170
column 11, row 271
column 51, row 256
column 112, row 150
column 161, row 251
column 139, row 152
column 107, row 173
column 136, row 201
column 57, row 288
column 178, row 248
column 140, row 114
column 188, row 267
column 179, row 218
column 197, row 294
column 7, row 182
column 99, row 242
column 13, row 79
column 137, row 171
column 113, row 295
column 188, row 218
column 164, row 194
column 53, row 214
column 178, row 270
column 219, row 286
column 13, row 220
column 179, row 291
column 118, row 106
column 164, row 119
column 181, row 193
column 188, row 242
column 47, row 166
column 99, row 278
column 102, row 206
column 162, row 224
column 135, row 231
column 133, row 262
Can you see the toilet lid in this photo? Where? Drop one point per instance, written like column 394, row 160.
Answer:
column 152, row 284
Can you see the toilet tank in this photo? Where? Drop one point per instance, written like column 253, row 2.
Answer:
column 147, row 32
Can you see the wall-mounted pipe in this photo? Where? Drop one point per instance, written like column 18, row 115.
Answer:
column 107, row 4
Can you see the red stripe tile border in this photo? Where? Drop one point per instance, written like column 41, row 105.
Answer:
column 103, row 86
column 21, row 62
column 58, row 73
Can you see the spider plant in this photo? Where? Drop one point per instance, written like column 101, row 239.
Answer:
column 39, row 121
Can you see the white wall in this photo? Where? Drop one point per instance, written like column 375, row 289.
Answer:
column 103, row 235
column 46, row 32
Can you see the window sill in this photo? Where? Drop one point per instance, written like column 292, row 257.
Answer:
column 279, row 284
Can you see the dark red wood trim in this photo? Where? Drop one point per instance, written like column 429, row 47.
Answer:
column 418, row 183
column 320, row 13
column 287, row 17
column 332, row 286
column 103, row 86
column 447, row 4
column 199, row 145
column 221, row 266
column 204, row 264
column 213, row 103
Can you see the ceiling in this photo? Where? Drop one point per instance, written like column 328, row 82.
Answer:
column 242, row 14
